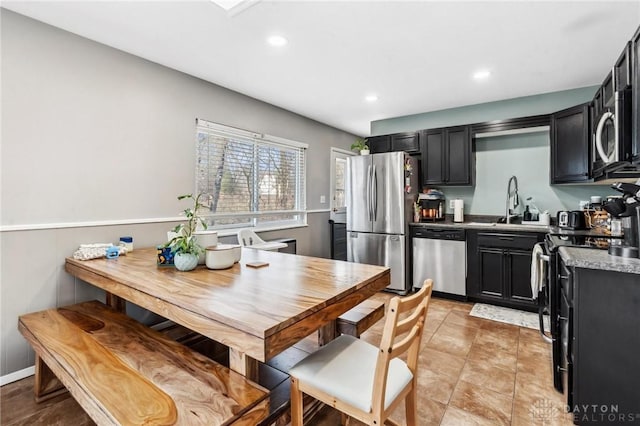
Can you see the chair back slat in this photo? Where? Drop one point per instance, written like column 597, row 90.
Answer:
column 399, row 337
column 408, row 323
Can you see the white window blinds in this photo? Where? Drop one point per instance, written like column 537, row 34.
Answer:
column 254, row 179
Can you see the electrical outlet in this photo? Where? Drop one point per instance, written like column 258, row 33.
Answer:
column 323, row 199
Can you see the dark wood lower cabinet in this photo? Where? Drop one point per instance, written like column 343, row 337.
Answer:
column 499, row 268
column 519, row 268
column 490, row 279
column 602, row 366
column 338, row 240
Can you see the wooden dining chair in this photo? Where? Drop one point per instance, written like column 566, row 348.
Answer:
column 364, row 381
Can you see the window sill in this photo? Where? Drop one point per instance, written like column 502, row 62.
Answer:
column 227, row 232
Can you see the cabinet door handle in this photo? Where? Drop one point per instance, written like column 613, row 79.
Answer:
column 561, row 318
column 563, row 370
column 563, row 277
column 506, row 238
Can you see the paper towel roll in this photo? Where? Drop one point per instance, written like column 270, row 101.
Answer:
column 458, row 210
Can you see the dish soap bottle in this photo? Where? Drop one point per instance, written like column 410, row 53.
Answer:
column 526, row 216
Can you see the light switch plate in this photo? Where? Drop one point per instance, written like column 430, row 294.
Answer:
column 323, row 199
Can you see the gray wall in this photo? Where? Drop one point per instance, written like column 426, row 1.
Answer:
column 90, row 133
column 526, row 156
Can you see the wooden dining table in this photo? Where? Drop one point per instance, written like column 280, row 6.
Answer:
column 256, row 312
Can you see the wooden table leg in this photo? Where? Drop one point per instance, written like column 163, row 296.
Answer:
column 243, row 364
column 116, row 302
column 46, row 385
column 327, row 333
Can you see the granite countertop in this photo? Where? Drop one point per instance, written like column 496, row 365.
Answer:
column 598, row 259
column 488, row 223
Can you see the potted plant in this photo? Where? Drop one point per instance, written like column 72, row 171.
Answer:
column 360, row 145
column 184, row 245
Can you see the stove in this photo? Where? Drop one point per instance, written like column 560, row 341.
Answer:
column 550, row 299
column 592, row 241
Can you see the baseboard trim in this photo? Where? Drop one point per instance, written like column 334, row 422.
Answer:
column 17, row 375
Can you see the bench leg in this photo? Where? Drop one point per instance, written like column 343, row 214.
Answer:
column 116, row 302
column 327, row 333
column 243, row 364
column 46, row 384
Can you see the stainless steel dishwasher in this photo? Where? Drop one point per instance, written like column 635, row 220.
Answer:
column 440, row 254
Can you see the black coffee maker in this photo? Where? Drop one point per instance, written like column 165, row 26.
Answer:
column 627, row 209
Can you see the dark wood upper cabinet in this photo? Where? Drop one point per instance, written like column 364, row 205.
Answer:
column 622, row 69
column 446, row 156
column 433, row 148
column 608, row 90
column 407, row 142
column 458, row 156
column 379, row 144
column 570, row 147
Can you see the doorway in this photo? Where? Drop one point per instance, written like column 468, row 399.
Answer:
column 338, row 184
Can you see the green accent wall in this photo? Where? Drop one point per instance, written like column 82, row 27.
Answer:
column 478, row 113
column 527, row 156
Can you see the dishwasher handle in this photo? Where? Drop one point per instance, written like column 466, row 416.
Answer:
column 440, row 234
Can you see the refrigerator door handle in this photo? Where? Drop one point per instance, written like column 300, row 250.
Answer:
column 375, row 194
column 368, row 190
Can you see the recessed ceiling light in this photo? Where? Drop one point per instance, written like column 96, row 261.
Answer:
column 277, row 41
column 481, row 75
column 371, row 98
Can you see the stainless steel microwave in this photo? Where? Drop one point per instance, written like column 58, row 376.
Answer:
column 612, row 134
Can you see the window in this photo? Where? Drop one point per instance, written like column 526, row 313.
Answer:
column 254, row 179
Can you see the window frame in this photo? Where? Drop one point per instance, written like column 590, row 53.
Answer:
column 299, row 213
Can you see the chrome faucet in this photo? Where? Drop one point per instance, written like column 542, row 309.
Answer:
column 510, row 194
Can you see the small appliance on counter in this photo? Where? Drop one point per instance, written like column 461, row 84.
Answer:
column 432, row 205
column 627, row 209
column 458, row 210
column 573, row 219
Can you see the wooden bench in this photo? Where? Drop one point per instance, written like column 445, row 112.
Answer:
column 357, row 320
column 124, row 373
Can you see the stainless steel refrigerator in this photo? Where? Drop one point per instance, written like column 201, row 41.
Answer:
column 381, row 192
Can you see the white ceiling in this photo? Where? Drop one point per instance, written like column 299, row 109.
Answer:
column 416, row 56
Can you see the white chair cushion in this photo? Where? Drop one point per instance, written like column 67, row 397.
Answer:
column 345, row 369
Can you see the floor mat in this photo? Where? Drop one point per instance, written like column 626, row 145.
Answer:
column 508, row 315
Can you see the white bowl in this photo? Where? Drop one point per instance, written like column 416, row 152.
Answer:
column 222, row 256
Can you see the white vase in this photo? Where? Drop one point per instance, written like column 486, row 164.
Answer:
column 364, row 152
column 185, row 261
column 205, row 239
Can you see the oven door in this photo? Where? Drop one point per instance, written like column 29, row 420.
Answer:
column 555, row 296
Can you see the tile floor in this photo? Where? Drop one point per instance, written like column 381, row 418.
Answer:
column 472, row 371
